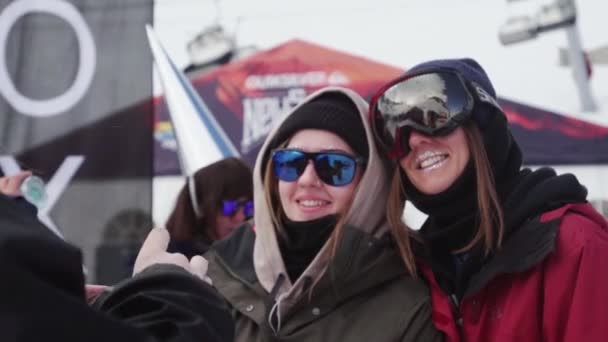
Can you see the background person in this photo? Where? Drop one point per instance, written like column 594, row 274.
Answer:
column 212, row 203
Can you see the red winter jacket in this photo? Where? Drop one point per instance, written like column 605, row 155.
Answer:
column 556, row 292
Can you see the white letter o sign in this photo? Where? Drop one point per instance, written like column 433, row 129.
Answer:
column 86, row 68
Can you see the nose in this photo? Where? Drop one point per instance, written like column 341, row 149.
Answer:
column 309, row 177
column 416, row 139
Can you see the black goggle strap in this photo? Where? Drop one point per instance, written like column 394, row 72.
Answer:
column 483, row 96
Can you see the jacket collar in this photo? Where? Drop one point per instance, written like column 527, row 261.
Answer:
column 362, row 262
column 525, row 248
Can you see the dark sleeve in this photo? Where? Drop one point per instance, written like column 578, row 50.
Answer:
column 42, row 286
column 170, row 303
column 42, row 294
column 27, row 206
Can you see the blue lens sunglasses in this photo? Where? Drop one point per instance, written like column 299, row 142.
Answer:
column 333, row 168
column 231, row 207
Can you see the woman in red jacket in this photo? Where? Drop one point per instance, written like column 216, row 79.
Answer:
column 510, row 254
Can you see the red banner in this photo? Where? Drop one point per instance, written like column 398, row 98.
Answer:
column 248, row 96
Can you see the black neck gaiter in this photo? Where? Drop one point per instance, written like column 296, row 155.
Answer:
column 452, row 213
column 303, row 243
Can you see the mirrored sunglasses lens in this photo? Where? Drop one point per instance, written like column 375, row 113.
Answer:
column 335, row 169
column 248, row 208
column 288, row 165
column 229, row 208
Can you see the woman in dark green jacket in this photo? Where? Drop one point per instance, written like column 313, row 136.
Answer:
column 317, row 262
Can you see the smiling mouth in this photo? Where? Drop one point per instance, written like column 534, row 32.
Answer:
column 430, row 160
column 312, row 203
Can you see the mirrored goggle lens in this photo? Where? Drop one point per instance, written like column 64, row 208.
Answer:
column 335, row 169
column 430, row 103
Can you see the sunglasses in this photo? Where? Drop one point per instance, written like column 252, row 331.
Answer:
column 231, row 207
column 430, row 103
column 333, row 168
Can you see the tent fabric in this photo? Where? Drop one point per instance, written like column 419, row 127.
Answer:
column 548, row 138
column 247, row 96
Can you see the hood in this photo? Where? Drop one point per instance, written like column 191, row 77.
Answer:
column 366, row 213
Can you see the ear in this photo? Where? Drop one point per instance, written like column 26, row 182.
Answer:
column 192, row 190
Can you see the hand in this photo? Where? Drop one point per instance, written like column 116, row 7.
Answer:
column 11, row 185
column 154, row 251
column 93, row 291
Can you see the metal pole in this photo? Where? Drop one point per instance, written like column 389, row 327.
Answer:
column 579, row 69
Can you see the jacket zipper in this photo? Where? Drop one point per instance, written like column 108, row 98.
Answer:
column 456, row 309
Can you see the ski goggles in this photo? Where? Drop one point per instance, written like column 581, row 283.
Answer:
column 432, row 103
column 231, row 207
column 333, row 168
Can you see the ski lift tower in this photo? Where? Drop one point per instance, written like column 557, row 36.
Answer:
column 559, row 15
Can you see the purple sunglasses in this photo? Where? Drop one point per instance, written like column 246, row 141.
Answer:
column 231, row 207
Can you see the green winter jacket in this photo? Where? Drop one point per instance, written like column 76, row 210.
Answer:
column 371, row 297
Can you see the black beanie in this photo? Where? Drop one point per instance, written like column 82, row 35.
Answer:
column 334, row 112
column 503, row 152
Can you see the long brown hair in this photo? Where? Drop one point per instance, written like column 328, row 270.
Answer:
column 491, row 222
column 228, row 178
